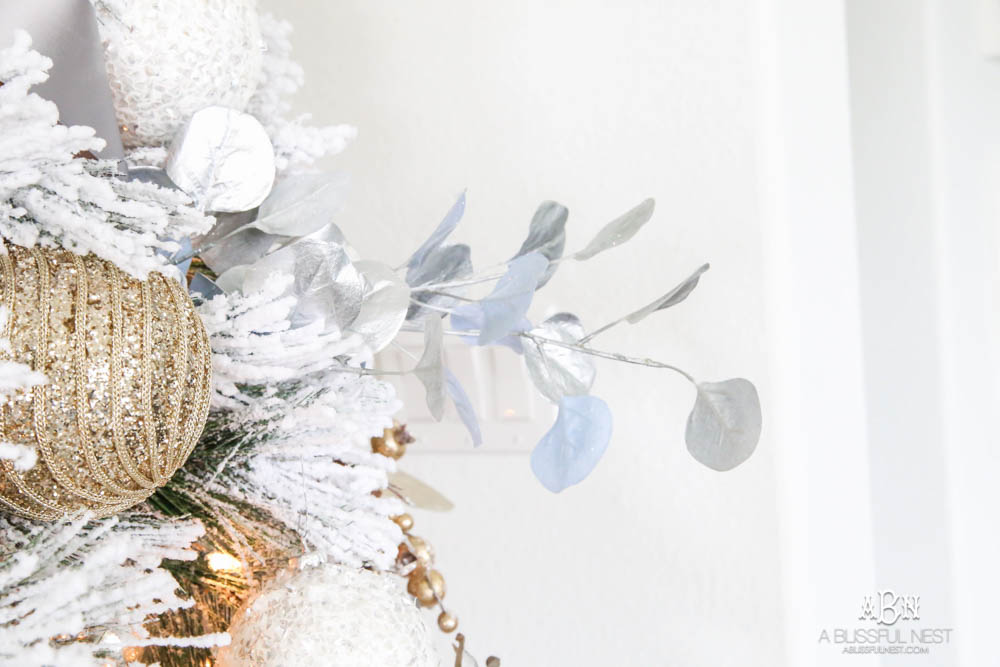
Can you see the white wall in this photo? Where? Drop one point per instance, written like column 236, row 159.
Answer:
column 901, row 273
column 926, row 99
column 965, row 137
column 806, row 190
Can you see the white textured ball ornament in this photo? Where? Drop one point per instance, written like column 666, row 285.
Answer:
column 330, row 616
column 167, row 59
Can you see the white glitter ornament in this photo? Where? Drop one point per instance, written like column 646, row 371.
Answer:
column 330, row 616
column 167, row 59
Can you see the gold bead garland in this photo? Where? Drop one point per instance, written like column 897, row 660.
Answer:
column 447, row 621
column 128, row 365
column 416, row 556
column 393, row 442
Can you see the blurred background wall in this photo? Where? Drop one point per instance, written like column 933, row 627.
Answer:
column 835, row 163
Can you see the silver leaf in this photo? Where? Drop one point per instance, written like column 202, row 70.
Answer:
column 440, row 233
column 331, row 233
column 558, row 371
column 301, row 204
column 671, row 298
column 223, row 159
column 619, row 230
column 724, row 426
column 452, row 262
column 547, row 235
column 384, row 304
column 430, row 368
column 226, row 224
column 448, row 263
column 327, row 286
column 245, row 247
column 234, row 279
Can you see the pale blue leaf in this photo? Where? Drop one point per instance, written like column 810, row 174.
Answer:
column 724, row 426
column 506, row 306
column 575, row 443
column 446, row 227
column 464, row 407
column 547, row 235
column 472, row 320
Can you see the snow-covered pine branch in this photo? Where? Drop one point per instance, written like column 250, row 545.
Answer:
column 308, row 417
column 51, row 198
column 254, row 344
column 96, row 582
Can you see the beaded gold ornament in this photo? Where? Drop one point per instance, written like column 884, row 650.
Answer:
column 128, row 365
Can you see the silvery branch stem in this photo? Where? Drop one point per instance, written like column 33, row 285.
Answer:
column 456, row 283
column 614, row 356
column 542, row 340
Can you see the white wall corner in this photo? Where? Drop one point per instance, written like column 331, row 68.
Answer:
column 811, row 255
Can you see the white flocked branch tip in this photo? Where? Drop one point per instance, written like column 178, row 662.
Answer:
column 57, row 199
column 89, row 578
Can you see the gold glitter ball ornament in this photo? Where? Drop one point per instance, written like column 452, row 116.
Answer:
column 128, row 365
